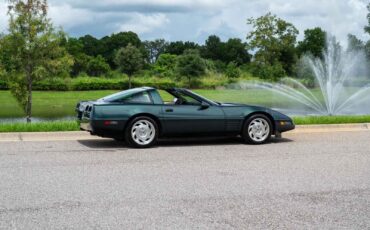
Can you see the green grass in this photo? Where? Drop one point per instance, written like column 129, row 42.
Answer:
column 48, row 104
column 311, row 120
column 73, row 125
column 53, row 104
column 40, row 127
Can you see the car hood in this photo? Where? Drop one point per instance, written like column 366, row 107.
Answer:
column 275, row 114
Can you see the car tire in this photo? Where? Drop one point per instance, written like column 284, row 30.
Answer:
column 141, row 132
column 257, row 129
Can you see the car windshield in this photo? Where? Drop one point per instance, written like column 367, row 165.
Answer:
column 119, row 95
column 203, row 98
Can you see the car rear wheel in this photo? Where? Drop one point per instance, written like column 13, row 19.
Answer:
column 141, row 132
column 257, row 129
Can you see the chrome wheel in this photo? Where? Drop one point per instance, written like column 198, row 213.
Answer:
column 143, row 132
column 259, row 129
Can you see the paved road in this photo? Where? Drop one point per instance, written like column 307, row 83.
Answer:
column 319, row 180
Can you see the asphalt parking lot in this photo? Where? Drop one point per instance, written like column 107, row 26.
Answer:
column 315, row 181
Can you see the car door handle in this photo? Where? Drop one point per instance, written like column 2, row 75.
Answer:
column 169, row 110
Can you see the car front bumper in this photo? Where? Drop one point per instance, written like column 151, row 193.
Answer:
column 284, row 126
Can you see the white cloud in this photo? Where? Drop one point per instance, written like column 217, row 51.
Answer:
column 68, row 17
column 3, row 17
column 141, row 23
column 196, row 19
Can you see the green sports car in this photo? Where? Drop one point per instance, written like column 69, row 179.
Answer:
column 140, row 116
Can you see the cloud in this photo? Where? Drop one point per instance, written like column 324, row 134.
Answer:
column 148, row 6
column 3, row 17
column 141, row 23
column 195, row 20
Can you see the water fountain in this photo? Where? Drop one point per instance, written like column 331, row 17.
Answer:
column 334, row 74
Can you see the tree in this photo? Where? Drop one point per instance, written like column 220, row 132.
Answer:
column 32, row 48
column 178, row 47
column 91, row 45
column 110, row 44
column 236, row 52
column 232, row 70
column 367, row 28
column 97, row 66
column 355, row 44
column 155, row 49
column 166, row 63
column 190, row 65
column 129, row 60
column 273, row 40
column 214, row 48
column 314, row 42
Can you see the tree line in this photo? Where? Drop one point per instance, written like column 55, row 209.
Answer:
column 33, row 49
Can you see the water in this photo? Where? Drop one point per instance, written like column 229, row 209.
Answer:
column 335, row 76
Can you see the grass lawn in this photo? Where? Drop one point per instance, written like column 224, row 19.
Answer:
column 49, row 104
column 40, row 126
column 73, row 125
column 62, row 104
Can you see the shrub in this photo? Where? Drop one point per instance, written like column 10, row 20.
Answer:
column 94, row 83
column 3, row 85
column 268, row 72
column 55, row 84
column 232, row 71
column 97, row 66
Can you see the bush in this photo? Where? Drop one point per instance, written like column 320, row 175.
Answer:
column 97, row 66
column 3, row 85
column 232, row 71
column 268, row 72
column 55, row 84
column 94, row 83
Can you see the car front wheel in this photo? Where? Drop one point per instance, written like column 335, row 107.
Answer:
column 141, row 132
column 257, row 129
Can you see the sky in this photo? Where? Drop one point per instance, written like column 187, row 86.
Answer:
column 195, row 20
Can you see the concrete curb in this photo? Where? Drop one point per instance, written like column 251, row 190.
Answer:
column 81, row 135
column 331, row 128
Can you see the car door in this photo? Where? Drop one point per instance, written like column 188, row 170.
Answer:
column 187, row 119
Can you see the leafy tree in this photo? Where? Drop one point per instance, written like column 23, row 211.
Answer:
column 110, row 44
column 314, row 42
column 355, row 44
column 190, row 65
column 74, row 46
column 97, row 66
column 32, row 49
column 91, row 45
column 165, row 64
column 232, row 70
column 367, row 28
column 179, row 47
column 274, row 40
column 129, row 60
column 236, row 52
column 214, row 48
column 155, row 49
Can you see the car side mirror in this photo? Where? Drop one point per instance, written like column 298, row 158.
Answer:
column 204, row 105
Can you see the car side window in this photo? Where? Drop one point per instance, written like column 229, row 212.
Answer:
column 140, row 98
column 189, row 100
